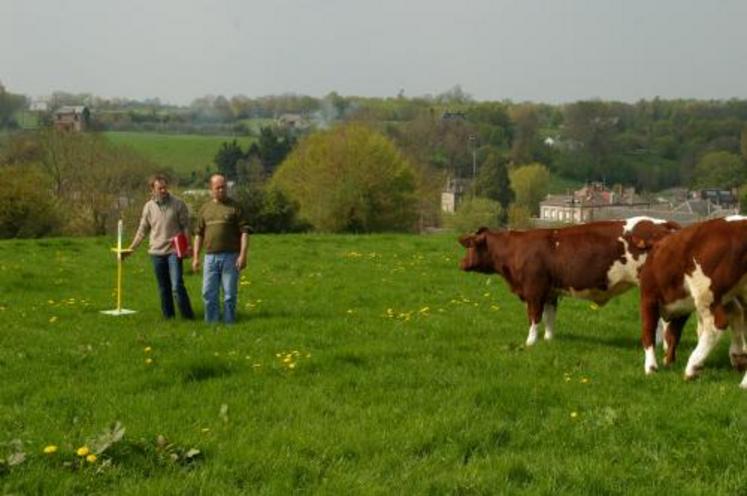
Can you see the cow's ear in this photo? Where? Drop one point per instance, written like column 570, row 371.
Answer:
column 672, row 226
column 466, row 240
column 472, row 240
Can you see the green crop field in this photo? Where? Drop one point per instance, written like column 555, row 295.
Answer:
column 359, row 365
column 184, row 153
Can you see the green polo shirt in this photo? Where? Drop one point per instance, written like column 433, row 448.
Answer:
column 220, row 225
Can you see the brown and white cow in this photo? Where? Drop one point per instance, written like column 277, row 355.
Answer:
column 594, row 261
column 703, row 269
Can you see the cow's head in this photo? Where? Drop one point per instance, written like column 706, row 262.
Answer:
column 646, row 233
column 478, row 257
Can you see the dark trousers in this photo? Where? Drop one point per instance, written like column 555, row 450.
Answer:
column 168, row 270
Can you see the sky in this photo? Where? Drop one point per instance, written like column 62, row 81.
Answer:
column 552, row 51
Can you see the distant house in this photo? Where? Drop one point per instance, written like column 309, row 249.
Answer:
column 39, row 106
column 595, row 202
column 452, row 194
column 72, row 118
column 292, row 121
column 453, row 116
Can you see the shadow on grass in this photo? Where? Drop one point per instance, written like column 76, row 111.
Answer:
column 202, row 370
column 623, row 342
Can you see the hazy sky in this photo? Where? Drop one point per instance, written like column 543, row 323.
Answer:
column 539, row 50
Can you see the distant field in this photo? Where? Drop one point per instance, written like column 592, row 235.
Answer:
column 359, row 365
column 183, row 153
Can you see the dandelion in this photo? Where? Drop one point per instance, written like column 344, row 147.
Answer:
column 350, row 311
column 584, row 380
column 424, row 309
column 291, row 365
column 51, row 449
column 91, row 458
column 205, row 429
column 574, row 414
column 594, row 306
column 83, row 451
column 147, row 349
column 53, row 319
column 148, row 361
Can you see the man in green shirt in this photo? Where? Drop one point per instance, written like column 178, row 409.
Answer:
column 224, row 232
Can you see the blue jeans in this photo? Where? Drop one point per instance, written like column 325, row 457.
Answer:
column 168, row 269
column 220, row 270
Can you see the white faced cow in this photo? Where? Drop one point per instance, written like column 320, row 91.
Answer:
column 595, row 261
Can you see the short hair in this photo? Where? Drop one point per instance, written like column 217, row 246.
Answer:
column 216, row 174
column 157, row 178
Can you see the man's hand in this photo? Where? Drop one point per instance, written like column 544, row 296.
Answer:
column 125, row 254
column 241, row 263
column 196, row 264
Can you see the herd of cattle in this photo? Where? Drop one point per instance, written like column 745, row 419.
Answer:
column 701, row 268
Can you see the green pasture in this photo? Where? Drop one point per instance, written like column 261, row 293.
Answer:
column 359, row 365
column 183, row 153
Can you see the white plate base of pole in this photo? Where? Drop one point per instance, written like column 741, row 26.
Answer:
column 118, row 311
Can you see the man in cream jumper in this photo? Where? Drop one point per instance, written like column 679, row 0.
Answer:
column 164, row 216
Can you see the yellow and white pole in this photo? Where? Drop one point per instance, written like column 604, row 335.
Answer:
column 118, row 250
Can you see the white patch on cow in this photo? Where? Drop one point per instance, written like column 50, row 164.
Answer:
column 532, row 337
column 735, row 218
column 660, row 334
column 743, row 384
column 699, row 286
column 649, row 364
column 708, row 338
column 549, row 318
column 625, row 273
column 683, row 306
column 633, row 221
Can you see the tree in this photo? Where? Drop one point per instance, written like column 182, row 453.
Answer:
column 349, row 178
column 493, row 181
column 474, row 213
column 27, row 210
column 226, row 159
column 273, row 147
column 530, row 185
column 9, row 105
column 720, row 170
column 526, row 123
column 743, row 143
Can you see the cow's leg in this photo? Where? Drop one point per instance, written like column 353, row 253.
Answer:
column 672, row 338
column 551, row 309
column 660, row 330
column 534, row 312
column 738, row 348
column 649, row 321
column 712, row 321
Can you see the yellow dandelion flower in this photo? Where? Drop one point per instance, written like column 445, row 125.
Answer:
column 291, row 365
column 53, row 319
column 424, row 309
column 91, row 458
column 574, row 414
column 50, row 449
column 147, row 349
column 594, row 306
column 51, row 302
column 205, row 429
column 82, row 451
column 584, row 380
column 148, row 361
column 287, row 359
column 350, row 310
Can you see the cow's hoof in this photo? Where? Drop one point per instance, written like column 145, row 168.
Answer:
column 651, row 369
column 738, row 361
column 549, row 337
column 531, row 341
column 692, row 373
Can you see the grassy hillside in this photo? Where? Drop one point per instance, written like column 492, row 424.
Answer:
column 360, row 365
column 183, row 153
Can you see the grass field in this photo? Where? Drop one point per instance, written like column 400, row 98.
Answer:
column 183, row 153
column 360, row 365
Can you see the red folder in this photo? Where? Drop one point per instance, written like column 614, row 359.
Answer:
column 181, row 245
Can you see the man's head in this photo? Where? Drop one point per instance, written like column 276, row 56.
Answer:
column 159, row 186
column 218, row 188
